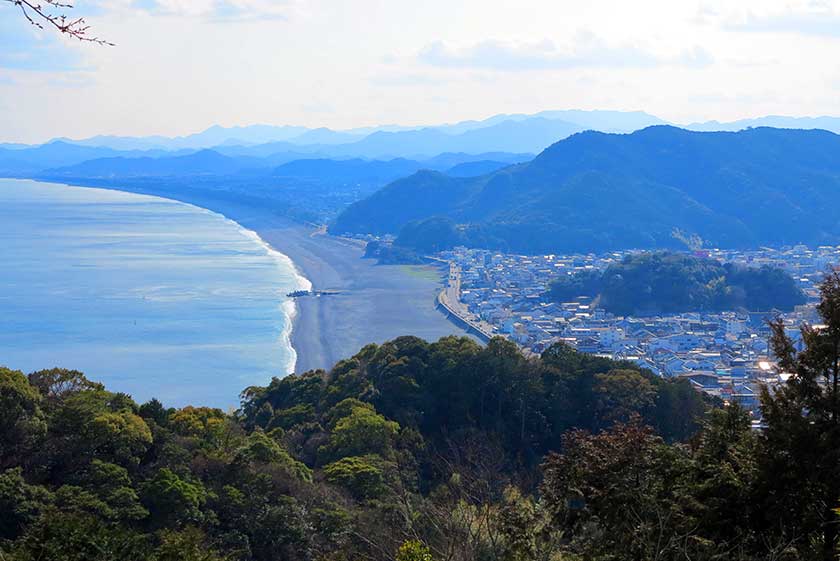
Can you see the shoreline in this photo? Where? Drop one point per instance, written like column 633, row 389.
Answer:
column 288, row 305
column 377, row 302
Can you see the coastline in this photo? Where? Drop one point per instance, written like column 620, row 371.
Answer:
column 289, row 305
column 375, row 303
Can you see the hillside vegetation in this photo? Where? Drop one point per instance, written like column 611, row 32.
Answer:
column 416, row 451
column 596, row 191
column 663, row 282
column 346, row 464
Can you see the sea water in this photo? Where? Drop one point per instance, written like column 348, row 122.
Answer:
column 149, row 296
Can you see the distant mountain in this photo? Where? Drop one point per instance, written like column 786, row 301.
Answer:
column 448, row 160
column 474, row 169
column 327, row 136
column 349, row 171
column 531, row 134
column 22, row 161
column 213, row 136
column 608, row 121
column 323, row 171
column 204, row 162
column 597, row 191
column 825, row 123
column 605, row 121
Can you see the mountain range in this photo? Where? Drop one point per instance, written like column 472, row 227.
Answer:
column 216, row 136
column 321, row 170
column 599, row 191
column 632, row 183
column 509, row 133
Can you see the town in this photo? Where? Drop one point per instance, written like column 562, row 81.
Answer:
column 724, row 354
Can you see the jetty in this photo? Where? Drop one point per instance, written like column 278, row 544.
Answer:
column 302, row 293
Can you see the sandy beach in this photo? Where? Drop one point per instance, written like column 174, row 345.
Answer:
column 375, row 302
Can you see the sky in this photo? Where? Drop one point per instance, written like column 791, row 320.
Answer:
column 180, row 66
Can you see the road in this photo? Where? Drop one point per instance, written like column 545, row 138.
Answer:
column 450, row 298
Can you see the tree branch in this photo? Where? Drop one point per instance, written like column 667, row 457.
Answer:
column 41, row 13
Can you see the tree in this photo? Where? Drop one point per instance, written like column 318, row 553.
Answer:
column 616, row 492
column 413, row 550
column 361, row 475
column 20, row 503
column 173, row 501
column 56, row 384
column 721, row 496
column 196, row 421
column 21, row 419
column 259, row 448
column 189, row 544
column 49, row 13
column 79, row 537
column 802, row 439
column 122, row 436
column 620, row 394
column 363, row 431
column 112, row 484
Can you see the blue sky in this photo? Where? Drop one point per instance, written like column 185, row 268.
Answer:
column 182, row 65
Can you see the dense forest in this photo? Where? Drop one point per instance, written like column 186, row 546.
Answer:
column 418, row 451
column 666, row 282
column 730, row 189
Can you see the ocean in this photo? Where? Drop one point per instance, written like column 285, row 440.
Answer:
column 151, row 297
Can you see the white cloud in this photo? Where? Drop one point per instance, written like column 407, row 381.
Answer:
column 180, row 66
column 585, row 50
column 220, row 10
column 809, row 17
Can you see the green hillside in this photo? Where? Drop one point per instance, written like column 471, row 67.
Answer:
column 597, row 191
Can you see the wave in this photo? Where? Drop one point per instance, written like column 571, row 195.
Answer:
column 288, row 305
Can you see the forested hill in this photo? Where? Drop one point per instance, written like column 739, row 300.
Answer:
column 665, row 282
column 417, row 451
column 597, row 191
column 348, row 464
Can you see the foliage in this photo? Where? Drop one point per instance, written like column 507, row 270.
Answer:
column 663, row 282
column 392, row 254
column 802, row 439
column 20, row 503
column 416, row 451
column 729, row 189
column 362, row 476
column 171, row 500
column 413, row 550
column 362, row 430
column 21, row 419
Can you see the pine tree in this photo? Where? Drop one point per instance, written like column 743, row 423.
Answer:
column 801, row 444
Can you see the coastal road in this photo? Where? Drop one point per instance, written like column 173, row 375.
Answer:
column 450, row 298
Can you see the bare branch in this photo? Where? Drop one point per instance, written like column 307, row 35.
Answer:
column 49, row 12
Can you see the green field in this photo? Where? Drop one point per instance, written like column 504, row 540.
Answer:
column 422, row 271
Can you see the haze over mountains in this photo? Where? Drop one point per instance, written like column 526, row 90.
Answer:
column 265, row 146
column 474, row 182
column 277, row 145
column 597, row 191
